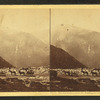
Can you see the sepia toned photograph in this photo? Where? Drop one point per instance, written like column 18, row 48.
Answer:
column 24, row 50
column 75, row 49
column 49, row 50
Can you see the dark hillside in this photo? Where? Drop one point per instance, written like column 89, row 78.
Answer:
column 4, row 63
column 61, row 59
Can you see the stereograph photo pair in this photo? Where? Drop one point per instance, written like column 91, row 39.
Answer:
column 49, row 50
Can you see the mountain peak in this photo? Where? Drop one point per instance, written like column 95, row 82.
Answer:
column 82, row 44
column 23, row 49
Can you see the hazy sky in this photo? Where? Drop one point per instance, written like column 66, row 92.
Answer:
column 34, row 21
column 84, row 18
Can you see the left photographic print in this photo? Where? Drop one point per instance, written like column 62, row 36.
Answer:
column 24, row 50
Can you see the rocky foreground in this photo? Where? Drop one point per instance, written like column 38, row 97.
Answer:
column 18, row 85
column 24, row 79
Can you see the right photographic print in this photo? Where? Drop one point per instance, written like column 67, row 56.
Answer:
column 75, row 49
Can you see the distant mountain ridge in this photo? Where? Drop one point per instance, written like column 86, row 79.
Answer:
column 61, row 59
